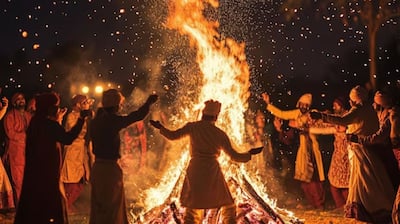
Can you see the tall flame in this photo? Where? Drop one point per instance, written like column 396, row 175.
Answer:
column 224, row 77
column 222, row 63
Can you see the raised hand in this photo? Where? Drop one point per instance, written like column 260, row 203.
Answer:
column 265, row 97
column 4, row 102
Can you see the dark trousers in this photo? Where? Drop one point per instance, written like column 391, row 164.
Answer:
column 314, row 193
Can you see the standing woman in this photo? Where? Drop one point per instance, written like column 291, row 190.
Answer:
column 41, row 200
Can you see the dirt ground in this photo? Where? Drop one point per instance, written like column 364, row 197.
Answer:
column 308, row 216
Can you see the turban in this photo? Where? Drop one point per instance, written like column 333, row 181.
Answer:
column 78, row 99
column 305, row 99
column 212, row 108
column 111, row 98
column 382, row 99
column 358, row 94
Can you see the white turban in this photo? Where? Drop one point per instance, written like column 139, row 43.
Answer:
column 358, row 94
column 305, row 99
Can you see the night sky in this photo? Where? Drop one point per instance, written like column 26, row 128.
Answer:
column 59, row 45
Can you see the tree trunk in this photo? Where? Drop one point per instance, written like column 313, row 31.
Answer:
column 372, row 57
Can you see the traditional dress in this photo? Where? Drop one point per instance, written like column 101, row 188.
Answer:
column 15, row 125
column 339, row 169
column 371, row 192
column 41, row 200
column 309, row 166
column 75, row 169
column 204, row 185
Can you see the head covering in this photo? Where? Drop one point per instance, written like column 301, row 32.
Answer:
column 305, row 99
column 15, row 97
column 78, row 99
column 382, row 99
column 46, row 103
column 358, row 94
column 111, row 98
column 340, row 101
column 212, row 108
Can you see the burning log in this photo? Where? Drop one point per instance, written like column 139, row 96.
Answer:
column 252, row 208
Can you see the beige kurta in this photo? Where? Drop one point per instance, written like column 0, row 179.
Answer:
column 204, row 185
column 76, row 156
column 308, row 142
column 370, row 186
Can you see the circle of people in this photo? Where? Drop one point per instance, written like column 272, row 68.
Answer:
column 46, row 162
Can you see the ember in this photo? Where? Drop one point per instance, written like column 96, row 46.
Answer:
column 224, row 77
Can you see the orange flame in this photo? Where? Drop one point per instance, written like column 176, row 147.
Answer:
column 225, row 77
column 222, row 63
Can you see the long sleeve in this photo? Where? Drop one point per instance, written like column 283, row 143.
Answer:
column 236, row 156
column 176, row 134
column 134, row 116
column 360, row 120
column 322, row 130
column 15, row 125
column 286, row 115
column 381, row 136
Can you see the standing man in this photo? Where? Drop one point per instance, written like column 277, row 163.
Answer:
column 371, row 193
column 41, row 199
column 76, row 169
column 16, row 122
column 107, row 195
column 204, row 186
column 309, row 168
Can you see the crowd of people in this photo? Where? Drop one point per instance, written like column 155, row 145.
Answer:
column 50, row 153
column 364, row 172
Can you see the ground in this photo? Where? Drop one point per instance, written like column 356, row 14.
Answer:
column 308, row 216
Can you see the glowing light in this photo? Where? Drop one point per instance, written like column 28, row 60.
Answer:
column 35, row 46
column 24, row 34
column 85, row 89
column 98, row 89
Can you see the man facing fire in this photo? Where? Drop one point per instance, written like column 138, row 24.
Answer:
column 204, row 186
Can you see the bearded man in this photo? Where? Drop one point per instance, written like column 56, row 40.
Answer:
column 16, row 122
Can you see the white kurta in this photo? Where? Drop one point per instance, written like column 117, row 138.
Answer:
column 76, row 156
